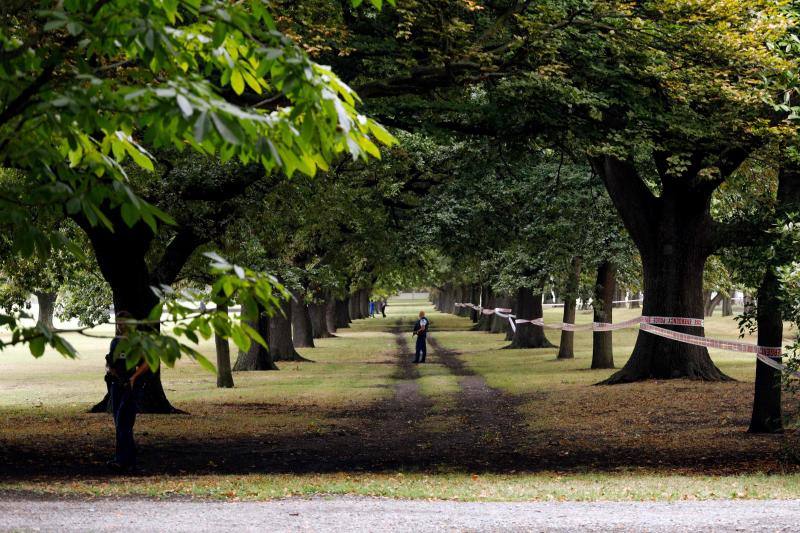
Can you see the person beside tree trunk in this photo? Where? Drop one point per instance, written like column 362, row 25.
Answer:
column 125, row 387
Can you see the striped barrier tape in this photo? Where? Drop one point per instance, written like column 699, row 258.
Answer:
column 652, row 324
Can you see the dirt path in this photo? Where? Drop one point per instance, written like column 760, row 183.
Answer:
column 369, row 514
column 488, row 422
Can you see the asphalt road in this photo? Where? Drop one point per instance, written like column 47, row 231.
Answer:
column 342, row 514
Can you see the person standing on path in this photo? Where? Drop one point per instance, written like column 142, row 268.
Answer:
column 421, row 327
column 382, row 305
column 124, row 388
column 372, row 308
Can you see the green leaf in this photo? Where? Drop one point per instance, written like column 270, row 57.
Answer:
column 36, row 346
column 224, row 129
column 237, row 81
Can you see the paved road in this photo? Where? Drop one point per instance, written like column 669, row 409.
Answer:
column 344, row 514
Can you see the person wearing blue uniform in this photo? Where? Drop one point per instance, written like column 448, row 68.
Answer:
column 421, row 327
column 124, row 388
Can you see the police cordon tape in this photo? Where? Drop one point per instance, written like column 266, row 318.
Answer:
column 765, row 354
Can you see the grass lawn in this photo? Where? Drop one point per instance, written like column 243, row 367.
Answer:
column 476, row 423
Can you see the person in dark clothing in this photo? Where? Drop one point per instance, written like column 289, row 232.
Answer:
column 124, row 389
column 383, row 308
column 421, row 327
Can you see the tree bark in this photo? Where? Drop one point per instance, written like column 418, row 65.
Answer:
column 256, row 358
column 280, row 335
column 603, row 341
column 711, row 304
column 47, row 308
column 474, row 297
column 529, row 306
column 509, row 330
column 302, row 328
column 331, row 305
column 488, row 302
column 767, row 416
column 121, row 257
column 342, row 314
column 499, row 324
column 224, row 375
column 674, row 235
column 566, row 348
column 727, row 306
column 319, row 324
column 365, row 299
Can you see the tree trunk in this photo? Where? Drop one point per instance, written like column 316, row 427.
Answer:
column 513, row 305
column 488, row 302
column 566, row 348
column 711, row 304
column 331, row 306
column 767, row 416
column 727, row 306
column 224, row 375
column 342, row 315
column 499, row 324
column 365, row 299
column 353, row 309
column 47, row 308
column 319, row 325
column 529, row 306
column 280, row 335
column 302, row 329
column 673, row 233
column 635, row 296
column 464, row 295
column 619, row 297
column 256, row 358
column 474, row 297
column 603, row 341
column 121, row 257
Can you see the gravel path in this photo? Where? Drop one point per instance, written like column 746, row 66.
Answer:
column 371, row 514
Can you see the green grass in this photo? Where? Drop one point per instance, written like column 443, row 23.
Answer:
column 44, row 401
column 448, row 486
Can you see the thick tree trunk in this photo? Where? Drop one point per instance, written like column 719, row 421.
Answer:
column 711, row 304
column 464, row 295
column 319, row 325
column 365, row 299
column 727, row 306
column 302, row 329
column 474, row 297
column 224, row 375
column 499, row 324
column 566, row 348
column 513, row 306
column 47, row 308
column 767, row 416
column 342, row 314
column 121, row 258
column 279, row 339
column 488, row 302
column 603, row 341
column 529, row 306
column 256, row 358
column 673, row 233
column 331, row 305
column 353, row 309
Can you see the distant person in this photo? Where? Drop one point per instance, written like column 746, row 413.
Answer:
column 371, row 309
column 421, row 327
column 124, row 389
column 383, row 307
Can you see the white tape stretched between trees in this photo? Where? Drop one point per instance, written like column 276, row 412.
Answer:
column 650, row 324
